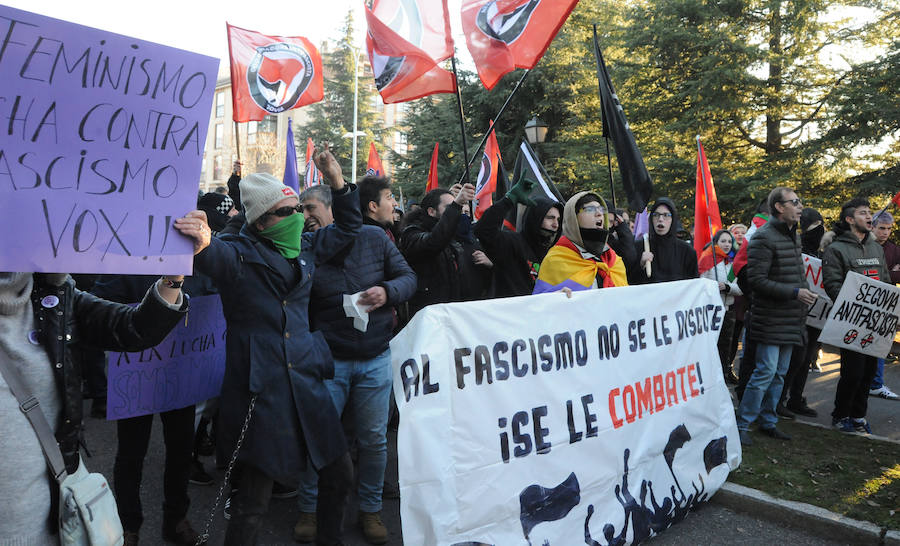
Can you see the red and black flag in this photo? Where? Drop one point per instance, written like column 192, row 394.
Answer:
column 271, row 74
column 707, row 220
column 487, row 176
column 635, row 177
column 373, row 165
column 432, row 183
column 503, row 35
column 406, row 40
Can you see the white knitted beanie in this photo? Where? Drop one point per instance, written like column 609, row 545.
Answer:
column 259, row 192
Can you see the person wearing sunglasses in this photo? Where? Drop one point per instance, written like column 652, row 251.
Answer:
column 670, row 258
column 264, row 277
column 781, row 299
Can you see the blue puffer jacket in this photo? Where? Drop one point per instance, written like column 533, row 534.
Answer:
column 372, row 260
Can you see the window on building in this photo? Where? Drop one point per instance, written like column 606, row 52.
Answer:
column 220, row 135
column 203, row 167
column 220, row 104
column 269, row 124
column 252, row 127
column 217, row 168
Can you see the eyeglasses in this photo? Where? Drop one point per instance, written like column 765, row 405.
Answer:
column 796, row 202
column 667, row 215
column 592, row 209
column 283, row 211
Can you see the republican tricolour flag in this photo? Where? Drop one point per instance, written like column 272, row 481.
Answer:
column 271, row 74
column 406, row 40
column 373, row 165
column 707, row 220
column 503, row 35
column 487, row 176
column 291, row 176
column 312, row 176
column 433, row 170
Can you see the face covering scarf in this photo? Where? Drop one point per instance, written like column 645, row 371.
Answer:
column 286, row 235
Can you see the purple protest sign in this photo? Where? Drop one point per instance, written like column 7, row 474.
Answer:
column 186, row 368
column 100, row 150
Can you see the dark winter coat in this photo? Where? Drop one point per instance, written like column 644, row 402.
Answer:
column 441, row 259
column 370, row 260
column 775, row 274
column 81, row 318
column 516, row 256
column 892, row 258
column 847, row 253
column 673, row 259
column 270, row 351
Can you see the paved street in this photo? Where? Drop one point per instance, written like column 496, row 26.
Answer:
column 711, row 525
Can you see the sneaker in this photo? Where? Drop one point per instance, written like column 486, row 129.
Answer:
column 784, row 413
column 884, row 392
column 182, row 534
column 198, row 475
column 305, row 529
column 775, row 433
column 226, row 510
column 862, row 426
column 802, row 409
column 372, row 527
column 844, row 425
column 746, row 441
column 280, row 491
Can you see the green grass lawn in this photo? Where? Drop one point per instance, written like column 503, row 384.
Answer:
column 850, row 475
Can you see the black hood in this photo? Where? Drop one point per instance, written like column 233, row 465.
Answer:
column 676, row 220
column 534, row 216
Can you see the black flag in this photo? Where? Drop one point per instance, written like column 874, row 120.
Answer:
column 635, row 177
column 527, row 162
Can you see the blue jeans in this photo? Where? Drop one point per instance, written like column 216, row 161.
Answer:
column 366, row 384
column 878, row 381
column 764, row 388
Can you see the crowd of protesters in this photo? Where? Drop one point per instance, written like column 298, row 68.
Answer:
column 316, row 385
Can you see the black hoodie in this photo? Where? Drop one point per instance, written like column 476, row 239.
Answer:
column 516, row 256
column 673, row 259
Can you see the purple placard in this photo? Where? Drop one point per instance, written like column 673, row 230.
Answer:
column 186, row 368
column 101, row 146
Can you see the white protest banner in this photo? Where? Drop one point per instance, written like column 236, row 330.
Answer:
column 864, row 317
column 599, row 419
column 818, row 313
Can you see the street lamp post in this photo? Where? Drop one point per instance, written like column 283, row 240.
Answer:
column 536, row 130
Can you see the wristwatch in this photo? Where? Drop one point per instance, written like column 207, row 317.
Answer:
column 170, row 283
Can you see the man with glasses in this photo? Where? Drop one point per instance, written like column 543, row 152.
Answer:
column 853, row 249
column 362, row 381
column 273, row 361
column 781, row 297
column 670, row 258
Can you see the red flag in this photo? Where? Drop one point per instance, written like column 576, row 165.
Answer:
column 707, row 220
column 896, row 199
column 271, row 74
column 373, row 165
column 313, row 176
column 432, row 170
column 487, row 176
column 503, row 35
column 406, row 40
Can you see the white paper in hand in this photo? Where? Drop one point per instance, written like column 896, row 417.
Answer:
column 359, row 313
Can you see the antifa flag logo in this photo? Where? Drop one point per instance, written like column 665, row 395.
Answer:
column 505, row 26
column 485, row 174
column 278, row 75
column 407, row 23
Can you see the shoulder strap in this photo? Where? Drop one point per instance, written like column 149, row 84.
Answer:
column 32, row 410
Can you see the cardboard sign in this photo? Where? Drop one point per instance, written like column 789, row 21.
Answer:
column 100, row 150
column 543, row 419
column 186, row 368
column 818, row 312
column 864, row 317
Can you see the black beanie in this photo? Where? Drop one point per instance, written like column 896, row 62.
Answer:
column 808, row 217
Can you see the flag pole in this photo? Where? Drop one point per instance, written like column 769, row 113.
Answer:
column 494, row 121
column 598, row 57
column 712, row 244
column 237, row 141
column 462, row 123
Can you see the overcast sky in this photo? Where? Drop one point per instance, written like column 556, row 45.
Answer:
column 199, row 25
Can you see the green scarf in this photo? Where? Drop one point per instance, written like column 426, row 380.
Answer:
column 286, row 235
